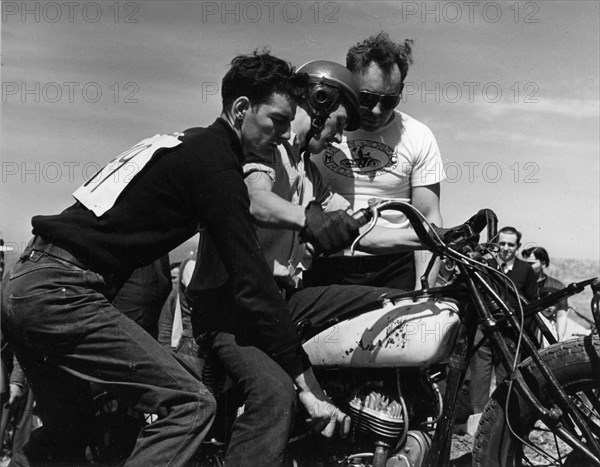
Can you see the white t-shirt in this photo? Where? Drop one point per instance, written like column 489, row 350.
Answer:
column 383, row 164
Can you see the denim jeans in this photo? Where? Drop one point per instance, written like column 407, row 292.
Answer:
column 260, row 435
column 396, row 270
column 323, row 306
column 66, row 333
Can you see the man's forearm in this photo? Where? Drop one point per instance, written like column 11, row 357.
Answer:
column 273, row 212
column 561, row 323
column 383, row 240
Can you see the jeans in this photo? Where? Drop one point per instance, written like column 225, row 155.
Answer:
column 261, row 433
column 66, row 333
column 396, row 270
column 323, row 306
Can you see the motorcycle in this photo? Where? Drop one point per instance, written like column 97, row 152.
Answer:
column 386, row 366
column 398, row 369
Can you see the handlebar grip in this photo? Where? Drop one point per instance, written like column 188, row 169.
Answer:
column 492, row 224
column 483, row 218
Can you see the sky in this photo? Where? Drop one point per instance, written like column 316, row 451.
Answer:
column 509, row 89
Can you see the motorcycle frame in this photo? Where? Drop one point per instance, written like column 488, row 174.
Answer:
column 478, row 311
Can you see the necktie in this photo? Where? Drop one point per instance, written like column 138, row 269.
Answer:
column 504, row 268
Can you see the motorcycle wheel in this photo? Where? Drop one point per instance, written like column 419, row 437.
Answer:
column 576, row 365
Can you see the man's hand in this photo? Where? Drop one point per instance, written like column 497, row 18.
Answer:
column 325, row 416
column 328, row 232
column 322, row 412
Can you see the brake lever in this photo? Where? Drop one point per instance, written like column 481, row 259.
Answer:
column 375, row 216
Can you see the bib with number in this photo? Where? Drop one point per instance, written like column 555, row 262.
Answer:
column 100, row 192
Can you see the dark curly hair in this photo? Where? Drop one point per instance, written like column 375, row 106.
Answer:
column 381, row 50
column 258, row 75
column 539, row 253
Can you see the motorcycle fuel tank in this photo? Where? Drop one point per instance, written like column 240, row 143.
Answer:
column 406, row 333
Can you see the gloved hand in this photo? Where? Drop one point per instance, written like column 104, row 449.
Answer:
column 328, row 232
column 453, row 234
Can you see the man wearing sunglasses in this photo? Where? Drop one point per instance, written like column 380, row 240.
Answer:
column 392, row 156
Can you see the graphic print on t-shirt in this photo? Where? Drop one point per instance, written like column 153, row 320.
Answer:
column 369, row 159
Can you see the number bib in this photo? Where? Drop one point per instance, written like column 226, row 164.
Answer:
column 100, row 192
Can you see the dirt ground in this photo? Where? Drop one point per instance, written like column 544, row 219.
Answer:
column 460, row 453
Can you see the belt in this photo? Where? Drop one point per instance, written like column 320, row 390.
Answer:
column 38, row 247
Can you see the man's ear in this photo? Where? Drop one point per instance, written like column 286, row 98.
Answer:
column 239, row 107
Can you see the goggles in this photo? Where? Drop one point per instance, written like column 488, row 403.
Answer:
column 370, row 99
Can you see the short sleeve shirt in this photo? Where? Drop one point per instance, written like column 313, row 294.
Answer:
column 383, row 164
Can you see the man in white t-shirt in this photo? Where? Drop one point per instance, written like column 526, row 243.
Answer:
column 392, row 156
column 287, row 188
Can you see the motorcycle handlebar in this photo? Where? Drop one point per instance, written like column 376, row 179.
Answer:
column 412, row 214
column 483, row 218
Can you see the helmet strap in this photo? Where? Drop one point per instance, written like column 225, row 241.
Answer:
column 322, row 99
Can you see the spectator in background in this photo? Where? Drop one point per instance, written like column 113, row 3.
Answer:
column 142, row 297
column 175, row 273
column 554, row 316
column 524, row 278
column 174, row 326
column 20, row 408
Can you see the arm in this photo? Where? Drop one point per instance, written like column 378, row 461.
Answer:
column 270, row 210
column 427, row 200
column 561, row 323
column 319, row 406
column 383, row 240
column 269, row 320
column 263, row 317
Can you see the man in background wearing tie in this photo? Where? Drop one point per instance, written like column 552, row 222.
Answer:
column 524, row 279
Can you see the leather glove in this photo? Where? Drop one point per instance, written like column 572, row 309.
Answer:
column 452, row 234
column 328, row 232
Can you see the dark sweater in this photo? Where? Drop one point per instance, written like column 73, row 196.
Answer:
column 198, row 182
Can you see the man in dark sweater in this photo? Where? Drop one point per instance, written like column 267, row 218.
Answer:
column 524, row 279
column 59, row 317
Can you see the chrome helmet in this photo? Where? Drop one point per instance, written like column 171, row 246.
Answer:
column 330, row 84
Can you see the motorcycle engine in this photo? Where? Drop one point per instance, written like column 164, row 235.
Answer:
column 377, row 415
column 381, row 421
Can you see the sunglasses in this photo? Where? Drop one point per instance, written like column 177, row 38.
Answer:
column 370, row 99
